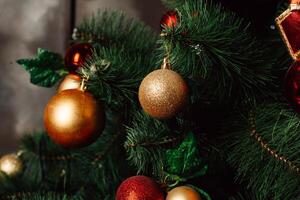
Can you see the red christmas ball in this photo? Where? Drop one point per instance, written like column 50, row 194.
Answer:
column 292, row 85
column 139, row 188
column 291, row 28
column 170, row 19
column 76, row 55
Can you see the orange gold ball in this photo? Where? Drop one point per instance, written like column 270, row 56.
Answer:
column 183, row 193
column 295, row 1
column 73, row 118
column 163, row 93
column 71, row 81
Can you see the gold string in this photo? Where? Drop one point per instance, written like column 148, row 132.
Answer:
column 266, row 146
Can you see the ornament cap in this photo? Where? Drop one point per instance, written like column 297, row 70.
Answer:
column 166, row 64
column 295, row 6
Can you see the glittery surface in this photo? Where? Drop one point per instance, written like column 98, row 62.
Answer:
column 183, row 193
column 11, row 165
column 73, row 118
column 139, row 188
column 163, row 93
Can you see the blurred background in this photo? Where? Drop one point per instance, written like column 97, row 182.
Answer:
column 29, row 24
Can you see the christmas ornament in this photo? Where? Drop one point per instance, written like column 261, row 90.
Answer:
column 292, row 85
column 183, row 193
column 76, row 55
column 139, row 188
column 71, row 81
column 11, row 165
column 289, row 25
column 169, row 20
column 163, row 93
column 73, row 118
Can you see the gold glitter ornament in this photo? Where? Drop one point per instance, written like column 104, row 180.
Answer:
column 163, row 93
column 183, row 193
column 11, row 165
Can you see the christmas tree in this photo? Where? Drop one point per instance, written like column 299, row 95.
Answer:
column 202, row 110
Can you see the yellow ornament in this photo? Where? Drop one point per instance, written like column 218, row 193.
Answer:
column 73, row 118
column 71, row 81
column 11, row 165
column 183, row 193
column 163, row 93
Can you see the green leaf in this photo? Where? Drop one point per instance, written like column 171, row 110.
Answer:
column 46, row 69
column 186, row 160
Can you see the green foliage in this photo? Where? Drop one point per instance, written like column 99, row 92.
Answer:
column 145, row 144
column 211, row 44
column 185, row 161
column 115, row 74
column 91, row 171
column 46, row 69
column 266, row 175
column 115, row 29
column 172, row 4
column 123, row 57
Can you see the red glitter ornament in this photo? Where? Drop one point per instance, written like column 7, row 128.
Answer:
column 292, row 86
column 289, row 26
column 76, row 55
column 170, row 19
column 139, row 188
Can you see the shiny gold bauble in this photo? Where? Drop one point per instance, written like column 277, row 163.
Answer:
column 71, row 81
column 183, row 193
column 73, row 118
column 11, row 165
column 163, row 93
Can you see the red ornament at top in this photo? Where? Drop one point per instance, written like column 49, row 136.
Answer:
column 292, row 86
column 139, row 188
column 289, row 26
column 76, row 55
column 170, row 19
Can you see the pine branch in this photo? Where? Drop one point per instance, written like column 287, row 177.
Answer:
column 115, row 29
column 264, row 162
column 211, row 44
column 146, row 143
column 115, row 75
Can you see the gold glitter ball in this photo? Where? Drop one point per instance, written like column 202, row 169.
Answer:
column 163, row 93
column 11, row 165
column 183, row 193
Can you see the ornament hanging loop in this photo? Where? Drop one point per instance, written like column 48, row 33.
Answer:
column 83, row 85
column 166, row 63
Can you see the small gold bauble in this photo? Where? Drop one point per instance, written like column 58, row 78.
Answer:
column 183, row 193
column 73, row 118
column 11, row 165
column 71, row 81
column 163, row 93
